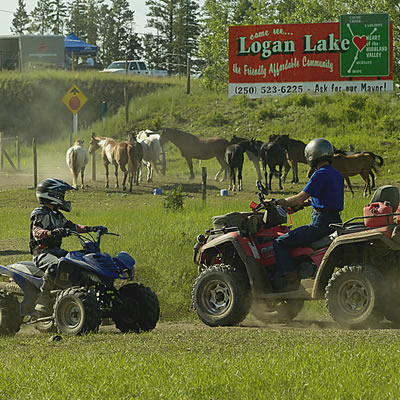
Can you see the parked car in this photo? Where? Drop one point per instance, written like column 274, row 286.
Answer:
column 137, row 67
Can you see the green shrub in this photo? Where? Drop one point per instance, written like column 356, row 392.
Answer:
column 173, row 200
column 304, row 100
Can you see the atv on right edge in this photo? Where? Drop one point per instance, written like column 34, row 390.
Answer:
column 356, row 269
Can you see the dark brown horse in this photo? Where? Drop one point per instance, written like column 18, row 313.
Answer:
column 119, row 154
column 253, row 157
column 234, row 157
column 295, row 154
column 356, row 164
column 192, row 146
column 273, row 155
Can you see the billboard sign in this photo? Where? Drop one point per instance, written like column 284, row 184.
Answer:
column 355, row 55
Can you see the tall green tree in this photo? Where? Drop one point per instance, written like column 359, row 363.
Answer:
column 122, row 26
column 76, row 21
column 41, row 18
column 153, row 51
column 162, row 15
column 213, row 45
column 57, row 16
column 186, row 31
column 21, row 21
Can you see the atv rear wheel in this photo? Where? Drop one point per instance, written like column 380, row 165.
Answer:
column 77, row 311
column 280, row 311
column 221, row 296
column 137, row 310
column 10, row 320
column 354, row 296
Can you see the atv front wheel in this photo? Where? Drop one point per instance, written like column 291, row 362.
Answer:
column 221, row 296
column 354, row 296
column 279, row 311
column 77, row 311
column 10, row 320
column 137, row 309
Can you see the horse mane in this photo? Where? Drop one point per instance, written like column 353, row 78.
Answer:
column 179, row 132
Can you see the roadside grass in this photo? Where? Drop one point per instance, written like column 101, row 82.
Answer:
column 188, row 361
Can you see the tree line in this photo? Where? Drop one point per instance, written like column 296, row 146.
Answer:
column 110, row 25
column 184, row 28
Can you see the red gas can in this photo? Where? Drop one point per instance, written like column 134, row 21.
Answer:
column 373, row 211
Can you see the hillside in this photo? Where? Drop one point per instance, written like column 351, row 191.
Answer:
column 368, row 122
column 31, row 106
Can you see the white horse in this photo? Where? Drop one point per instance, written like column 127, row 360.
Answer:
column 77, row 158
column 152, row 151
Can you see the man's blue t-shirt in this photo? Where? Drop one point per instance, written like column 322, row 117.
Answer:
column 326, row 188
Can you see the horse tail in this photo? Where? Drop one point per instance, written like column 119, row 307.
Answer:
column 131, row 158
column 73, row 161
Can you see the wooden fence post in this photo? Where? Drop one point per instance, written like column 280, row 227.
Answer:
column 94, row 166
column 188, row 75
column 1, row 150
column 34, row 163
column 126, row 100
column 18, row 151
column 204, row 182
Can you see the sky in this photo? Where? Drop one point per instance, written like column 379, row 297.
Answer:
column 8, row 8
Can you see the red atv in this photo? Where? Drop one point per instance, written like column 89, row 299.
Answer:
column 356, row 269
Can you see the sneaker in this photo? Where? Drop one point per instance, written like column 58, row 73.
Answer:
column 44, row 305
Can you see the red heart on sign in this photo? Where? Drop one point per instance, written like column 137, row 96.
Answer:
column 360, row 42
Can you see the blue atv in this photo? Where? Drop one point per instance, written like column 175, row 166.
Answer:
column 85, row 293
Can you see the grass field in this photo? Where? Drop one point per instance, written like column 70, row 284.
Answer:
column 310, row 358
column 189, row 361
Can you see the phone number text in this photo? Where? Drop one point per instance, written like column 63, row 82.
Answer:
column 270, row 89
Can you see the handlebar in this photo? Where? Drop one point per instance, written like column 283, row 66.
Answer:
column 268, row 204
column 87, row 237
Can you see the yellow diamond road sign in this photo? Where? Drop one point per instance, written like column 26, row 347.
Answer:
column 74, row 99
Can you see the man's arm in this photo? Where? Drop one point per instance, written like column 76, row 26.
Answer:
column 296, row 200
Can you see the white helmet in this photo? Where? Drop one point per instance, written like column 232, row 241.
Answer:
column 52, row 191
column 318, row 150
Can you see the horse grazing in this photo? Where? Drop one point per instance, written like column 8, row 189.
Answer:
column 191, row 147
column 234, row 157
column 77, row 158
column 117, row 154
column 151, row 152
column 253, row 157
column 356, row 164
column 295, row 154
column 273, row 154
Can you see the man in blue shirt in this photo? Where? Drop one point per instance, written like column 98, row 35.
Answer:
column 326, row 189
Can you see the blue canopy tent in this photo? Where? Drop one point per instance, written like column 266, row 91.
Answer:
column 78, row 47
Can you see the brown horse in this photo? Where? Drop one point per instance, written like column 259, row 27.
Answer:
column 356, row 164
column 118, row 154
column 191, row 147
column 295, row 154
